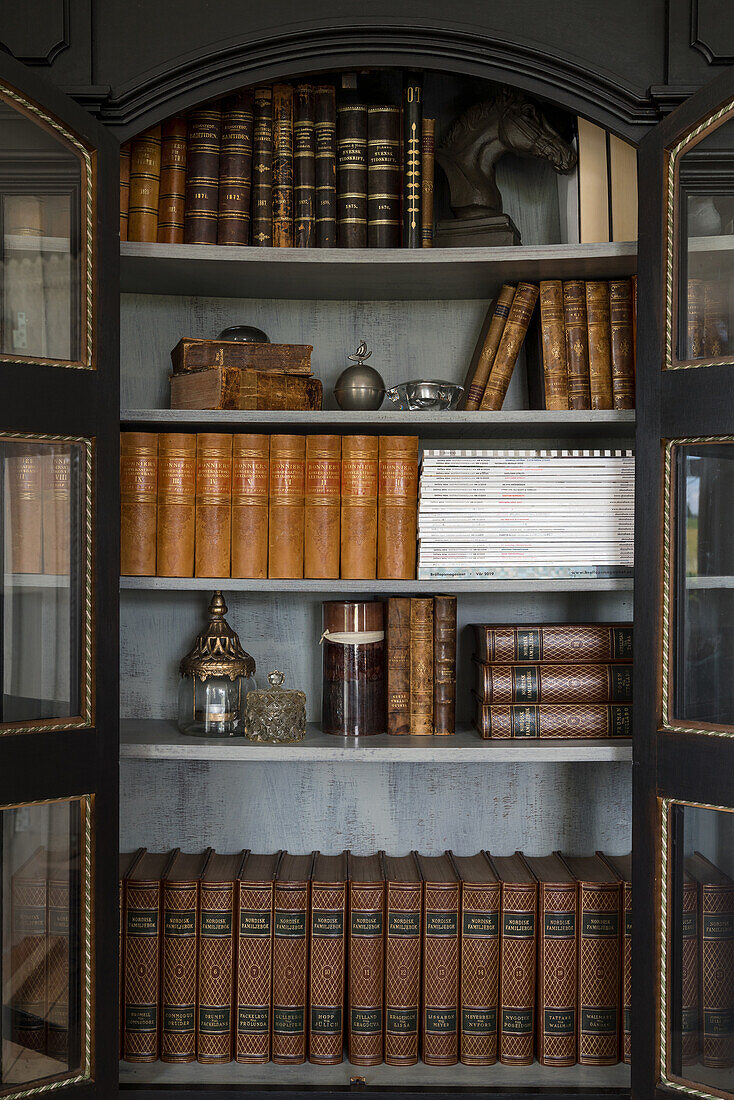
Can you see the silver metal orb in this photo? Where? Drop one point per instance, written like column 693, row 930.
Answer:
column 359, row 388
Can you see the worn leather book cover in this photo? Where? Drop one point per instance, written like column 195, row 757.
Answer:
column 195, row 355
column 715, row 961
column 428, row 169
column 304, row 167
column 403, row 935
column 172, row 192
column 623, row 363
column 715, row 318
column 383, row 177
column 518, row 943
column 557, row 978
column 254, row 976
column 262, row 168
column 412, row 132
column 176, row 504
column 138, row 502
column 325, row 164
column 250, row 475
column 214, row 1016
column 203, row 141
column 327, row 959
column 485, row 351
column 351, row 175
column 126, row 863
column 553, row 683
column 556, row 643
column 562, row 720
column 440, row 976
column 444, row 665
column 359, row 507
column 322, row 507
column 366, row 960
column 690, row 992
column 286, row 509
column 180, row 904
column 56, row 500
column 145, row 179
column 57, row 960
column 480, row 959
column 622, row 868
column 599, row 946
column 577, row 344
column 233, row 388
column 421, row 665
column 213, row 504
column 282, row 166
column 600, row 348
column 397, row 507
column 124, row 188
column 235, row 169
column 23, row 508
column 694, row 319
column 510, row 343
column 290, row 958
column 26, row 994
column 398, row 665
column 555, row 367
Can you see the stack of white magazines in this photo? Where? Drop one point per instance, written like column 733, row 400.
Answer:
column 526, row 514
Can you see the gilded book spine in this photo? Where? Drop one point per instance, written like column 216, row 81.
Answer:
column 286, row 515
column 138, row 498
column 397, row 507
column 326, row 973
column 557, row 973
column 554, row 683
column 565, row 720
column 480, row 964
column 215, row 972
column 599, row 971
column 124, row 189
column 290, row 972
column 282, row 166
column 172, row 196
column 486, row 350
column 262, row 168
column 351, row 175
column 600, row 350
column 213, row 504
column 690, row 1002
column 398, row 665
column 694, row 319
column 555, row 368
column 366, row 972
column 517, row 973
column 383, row 177
column 235, row 170
column 577, row 344
column 716, row 965
column 178, row 972
column 444, row 665
column 511, row 340
column 142, row 971
column 440, row 1025
column 359, row 507
column 421, row 665
column 627, row 975
column 145, row 178
column 569, row 643
column 623, row 364
column 428, row 145
column 304, row 167
column 176, row 504
column 203, row 140
column 412, row 132
column 402, row 971
column 325, row 165
column 250, row 473
column 253, row 992
column 56, row 489
column 322, row 506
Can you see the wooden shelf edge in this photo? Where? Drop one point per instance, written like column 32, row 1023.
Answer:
column 275, row 587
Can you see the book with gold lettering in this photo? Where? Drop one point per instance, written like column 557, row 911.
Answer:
column 138, row 503
column 510, row 343
column 250, row 473
column 403, row 923
column 351, row 175
column 622, row 867
column 262, row 168
column 421, row 665
column 282, row 166
column 216, row 960
column 383, row 177
column 290, row 958
column 564, row 720
column 397, row 507
column 366, row 962
column 304, row 168
column 286, row 509
column 126, row 863
column 203, row 141
column 254, row 973
column 325, row 164
column 480, row 958
column 235, row 169
column 600, row 348
column 555, row 367
column 518, row 942
column 444, row 665
column 623, row 351
column 213, row 504
column 322, row 506
column 180, row 906
column 547, row 683
column 172, row 192
column 145, row 178
column 577, row 344
column 359, row 507
column 327, row 959
column 555, row 643
column 485, row 351
column 412, row 138
column 176, row 504
column 440, row 976
column 398, row 665
column 715, row 955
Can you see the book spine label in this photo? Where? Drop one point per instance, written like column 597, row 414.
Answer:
column 213, row 504
column 351, row 175
column 282, row 166
column 489, row 340
column 235, row 170
column 599, row 969
column 517, row 973
column 555, row 368
column 326, row 973
column 627, row 976
column 172, row 197
column 142, row 971
column 254, row 972
column 398, row 665
column 203, row 139
column 567, row 644
column 397, row 507
column 322, row 506
column 57, row 968
column 145, row 178
column 690, row 1004
column 24, row 507
column 716, row 932
column 510, row 343
column 600, row 350
column 366, row 972
column 290, row 973
column 304, row 167
column 578, row 721
column 250, row 473
column 325, row 165
column 480, row 962
column 286, row 519
column 694, row 319
column 444, row 665
column 715, row 319
column 557, row 974
column 428, row 162
column 359, row 507
column 412, row 132
column 214, row 1024
column 176, row 504
column 421, row 666
column 577, row 344
column 383, row 177
column 27, row 969
column 440, row 987
column 138, row 500
column 262, row 168
column 404, row 903
column 125, row 149
column 554, row 683
column 623, row 367
column 178, row 972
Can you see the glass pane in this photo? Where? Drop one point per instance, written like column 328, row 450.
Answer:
column 42, row 654
column 43, row 880
column 701, row 963
column 40, row 234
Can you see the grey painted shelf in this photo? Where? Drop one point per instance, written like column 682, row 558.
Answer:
column 274, row 587
column 156, row 739
column 359, row 274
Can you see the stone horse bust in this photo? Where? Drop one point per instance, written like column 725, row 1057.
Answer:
column 477, row 139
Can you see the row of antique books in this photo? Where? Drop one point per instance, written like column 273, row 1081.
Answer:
column 286, row 506
column 566, row 680
column 37, row 508
column 284, row 166
column 707, row 319
column 282, row 957
column 421, row 665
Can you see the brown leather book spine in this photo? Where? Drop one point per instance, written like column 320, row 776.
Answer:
column 553, row 683
column 290, row 973
column 480, row 964
column 398, row 665
column 322, row 507
column 444, row 665
column 195, row 355
column 555, row 367
column 178, row 971
column 421, row 665
column 304, row 167
column 203, row 140
column 397, row 507
column 557, row 973
column 383, row 177
column 286, row 514
column 142, row 971
column 577, row 344
column 366, row 973
column 124, row 188
column 250, row 475
column 325, row 164
column 510, row 343
column 234, row 388
column 56, row 492
column 574, row 721
column 145, row 179
column 213, row 504
column 235, row 169
column 262, row 168
column 403, row 934
column 715, row 318
column 627, row 974
column 282, row 166
column 253, row 989
column 599, row 971
column 428, row 146
column 351, row 175
column 138, row 499
column 172, row 196
column 176, row 504
column 716, row 947
column 359, row 507
column 633, row 281
column 567, row 643
column 326, row 973
column 489, row 340
column 215, row 972
column 440, row 979
column 623, row 365
column 694, row 319
column 690, row 999
column 517, row 973
column 600, row 348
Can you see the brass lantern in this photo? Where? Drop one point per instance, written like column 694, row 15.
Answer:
column 215, row 678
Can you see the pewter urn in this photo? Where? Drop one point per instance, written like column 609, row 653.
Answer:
column 359, row 388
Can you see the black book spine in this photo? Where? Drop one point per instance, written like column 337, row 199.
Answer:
column 283, row 166
column 383, row 177
column 352, row 175
column 325, row 165
column 202, row 175
column 412, row 137
column 304, row 180
column 235, row 169
column 262, row 168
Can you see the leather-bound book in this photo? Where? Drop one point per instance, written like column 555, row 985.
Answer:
column 694, row 320
column 555, row 643
column 213, row 504
column 233, row 388
column 557, row 960
column 397, row 507
column 192, row 356
column 553, row 683
column 282, row 166
column 690, row 994
column 124, row 188
column 510, row 343
column 262, row 168
column 286, row 508
column 480, row 959
column 176, row 504
column 180, row 903
column 383, row 177
column 214, row 1017
column 254, row 976
column 250, row 475
column 304, row 168
column 58, row 960
column 715, row 961
column 564, row 720
column 56, row 495
column 138, row 500
column 126, row 863
column 486, row 348
column 403, row 922
column 623, row 362
column 398, row 665
column 428, row 168
column 518, row 941
column 290, row 959
column 145, row 179
column 412, row 134
column 366, row 961
column 325, row 164
column 351, row 175
column 421, row 665
column 444, row 665
column 715, row 318
column 359, row 507
column 322, row 507
column 555, row 367
column 633, row 281
column 141, row 981
column 577, row 344
column 327, row 959
column 622, row 868
column 599, row 943
column 203, row 142
column 26, row 970
column 235, row 169
column 23, row 508
column 600, row 347
column 172, row 195
column 440, row 977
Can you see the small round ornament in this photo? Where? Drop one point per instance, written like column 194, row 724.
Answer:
column 359, row 388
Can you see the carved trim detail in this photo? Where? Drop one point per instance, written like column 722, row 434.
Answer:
column 703, row 48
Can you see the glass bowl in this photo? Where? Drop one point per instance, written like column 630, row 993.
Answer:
column 431, row 396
